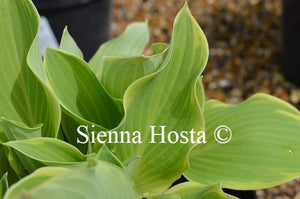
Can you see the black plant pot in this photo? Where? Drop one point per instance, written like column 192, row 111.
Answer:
column 241, row 194
column 88, row 21
column 237, row 193
column 291, row 42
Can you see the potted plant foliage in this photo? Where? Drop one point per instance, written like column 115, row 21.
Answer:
column 125, row 125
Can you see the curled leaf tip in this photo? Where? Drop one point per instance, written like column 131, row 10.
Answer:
column 186, row 5
column 184, row 10
column 65, row 29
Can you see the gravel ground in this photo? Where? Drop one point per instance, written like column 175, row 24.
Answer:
column 244, row 38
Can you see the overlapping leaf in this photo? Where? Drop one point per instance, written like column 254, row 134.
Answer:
column 190, row 190
column 12, row 161
column 200, row 93
column 68, row 44
column 107, row 155
column 21, row 165
column 101, row 181
column 50, row 151
column 264, row 150
column 6, row 168
column 19, row 131
column 131, row 43
column 158, row 47
column 69, row 126
column 165, row 196
column 3, row 185
column 119, row 72
column 33, row 180
column 23, row 97
column 79, row 91
column 165, row 98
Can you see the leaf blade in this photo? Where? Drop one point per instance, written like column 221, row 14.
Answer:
column 3, row 185
column 192, row 190
column 19, row 131
column 165, row 98
column 89, row 183
column 68, row 44
column 23, row 96
column 132, row 42
column 78, row 90
column 119, row 72
column 35, row 179
column 50, row 150
column 257, row 142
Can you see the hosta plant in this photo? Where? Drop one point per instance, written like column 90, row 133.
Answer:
column 125, row 125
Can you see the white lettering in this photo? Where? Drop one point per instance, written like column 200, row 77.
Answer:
column 110, row 133
column 162, row 134
column 201, row 137
column 136, row 137
column 184, row 135
column 101, row 134
column 82, row 134
column 175, row 135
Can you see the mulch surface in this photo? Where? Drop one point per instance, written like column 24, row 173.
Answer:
column 245, row 43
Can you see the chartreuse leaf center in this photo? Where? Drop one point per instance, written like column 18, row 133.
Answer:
column 165, row 98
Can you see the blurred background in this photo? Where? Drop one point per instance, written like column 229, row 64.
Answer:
column 253, row 45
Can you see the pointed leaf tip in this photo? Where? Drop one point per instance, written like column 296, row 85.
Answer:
column 186, row 7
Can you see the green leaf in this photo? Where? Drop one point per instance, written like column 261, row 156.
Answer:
column 23, row 97
column 190, row 190
column 69, row 126
column 3, row 137
column 30, row 182
column 200, row 93
column 165, row 196
column 119, row 72
column 159, row 47
column 101, row 181
column 4, row 162
column 129, row 164
column 34, row 59
column 21, row 164
column 60, row 134
column 131, row 43
column 79, row 91
column 48, row 150
column 16, row 164
column 165, row 98
column 68, row 44
column 106, row 155
column 264, row 150
column 3, row 185
column 5, row 166
column 18, row 131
